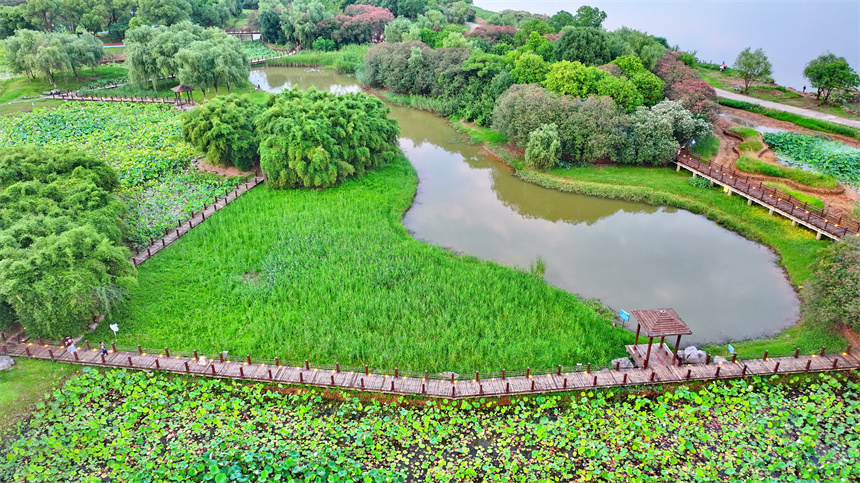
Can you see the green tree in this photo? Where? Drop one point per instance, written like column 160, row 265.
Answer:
column 544, row 148
column 316, row 139
column 61, row 257
column 561, row 20
column 587, row 45
column 84, row 50
column 650, row 86
column 140, row 56
column 299, row 21
column 530, row 68
column 832, row 295
column 829, row 73
column 164, row 12
column 51, row 56
column 628, row 42
column 649, row 139
column 620, row 90
column 574, row 79
column 752, row 65
column 589, row 17
column 197, row 65
column 685, row 125
column 224, row 129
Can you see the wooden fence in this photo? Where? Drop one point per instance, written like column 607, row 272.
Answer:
column 394, row 381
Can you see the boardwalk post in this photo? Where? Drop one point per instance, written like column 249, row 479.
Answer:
column 148, row 252
column 139, row 350
column 332, row 380
column 103, row 359
column 392, row 386
column 477, row 376
column 559, row 369
column 395, row 372
column 241, row 372
column 301, row 378
column 87, row 342
column 503, row 374
column 27, row 351
column 113, row 346
column 452, row 378
column 270, row 374
column 734, row 358
column 796, row 352
column 708, row 359
column 564, row 384
column 166, row 352
column 528, row 371
column 77, row 359
column 507, row 387
column 618, row 365
column 595, row 381
column 362, row 383
column 624, row 382
column 277, row 363
column 187, row 369
column 765, row 356
column 533, row 385
column 129, row 362
column 653, row 374
column 221, row 356
column 425, row 375
column 366, row 370
column 744, row 371
column 50, row 353
column 453, row 391
column 835, row 362
column 195, row 355
column 248, row 358
column 822, row 351
column 776, row 367
column 588, row 370
column 717, row 374
column 157, row 366
column 808, row 363
column 212, row 366
column 689, row 371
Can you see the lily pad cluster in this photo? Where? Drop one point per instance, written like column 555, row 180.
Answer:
column 258, row 50
column 143, row 143
column 823, row 155
column 138, row 426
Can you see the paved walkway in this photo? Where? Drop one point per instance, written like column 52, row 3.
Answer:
column 784, row 108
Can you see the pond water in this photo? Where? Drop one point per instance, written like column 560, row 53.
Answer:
column 628, row 255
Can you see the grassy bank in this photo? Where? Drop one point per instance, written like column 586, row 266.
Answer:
column 26, row 384
column 135, row 426
column 806, row 178
column 805, row 122
column 333, row 275
column 350, row 54
column 20, row 88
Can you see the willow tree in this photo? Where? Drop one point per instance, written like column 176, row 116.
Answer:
column 317, row 139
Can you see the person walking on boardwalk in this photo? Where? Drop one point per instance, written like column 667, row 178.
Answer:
column 70, row 344
column 103, row 349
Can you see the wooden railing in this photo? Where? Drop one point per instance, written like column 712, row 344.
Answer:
column 395, row 381
column 834, row 224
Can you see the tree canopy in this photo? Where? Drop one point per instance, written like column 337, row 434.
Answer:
column 832, row 296
column 588, row 45
column 752, row 65
column 315, row 139
column 828, row 73
column 32, row 52
column 61, row 257
column 224, row 128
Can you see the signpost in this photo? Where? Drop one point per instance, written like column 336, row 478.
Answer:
column 114, row 328
column 625, row 317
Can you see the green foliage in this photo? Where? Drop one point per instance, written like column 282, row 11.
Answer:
column 585, row 44
column 829, row 73
column 688, row 58
column 258, row 50
column 630, row 65
column 164, row 12
column 628, row 42
column 142, row 143
column 755, row 429
column 574, row 78
column 699, row 182
column 706, row 147
column 650, row 139
column 30, row 52
column 745, row 131
column 832, row 295
column 620, row 90
column 806, row 178
column 325, row 45
column 61, row 259
column 752, row 65
column 589, row 17
column 751, row 145
column 830, row 157
column 544, row 148
column 316, row 139
column 530, row 68
column 809, row 123
column 224, row 129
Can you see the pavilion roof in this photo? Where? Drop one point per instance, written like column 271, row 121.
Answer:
column 661, row 322
column 182, row 88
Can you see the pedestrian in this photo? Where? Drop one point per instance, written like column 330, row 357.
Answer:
column 804, row 89
column 70, row 346
column 103, row 349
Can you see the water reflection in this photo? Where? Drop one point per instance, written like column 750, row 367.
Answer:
column 280, row 79
column 628, row 255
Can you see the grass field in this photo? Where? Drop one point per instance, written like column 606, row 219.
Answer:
column 19, row 87
column 333, row 275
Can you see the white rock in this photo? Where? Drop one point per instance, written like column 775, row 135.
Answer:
column 6, row 362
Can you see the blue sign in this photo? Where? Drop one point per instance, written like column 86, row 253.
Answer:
column 731, row 349
column 624, row 315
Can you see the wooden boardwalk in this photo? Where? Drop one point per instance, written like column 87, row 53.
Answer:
column 822, row 222
column 413, row 384
column 196, row 219
column 135, row 99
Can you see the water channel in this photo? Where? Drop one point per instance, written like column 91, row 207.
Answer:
column 627, row 255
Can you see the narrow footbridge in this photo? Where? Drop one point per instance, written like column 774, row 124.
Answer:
column 559, row 379
column 822, row 222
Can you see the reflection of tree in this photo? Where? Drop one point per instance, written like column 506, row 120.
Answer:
column 533, row 201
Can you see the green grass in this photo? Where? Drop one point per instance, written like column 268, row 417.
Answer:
column 314, row 58
column 745, row 131
column 708, row 147
column 808, row 336
column 19, row 87
column 773, row 93
column 806, row 178
column 24, row 385
column 806, row 122
column 812, row 200
column 333, row 275
column 751, row 145
column 482, row 13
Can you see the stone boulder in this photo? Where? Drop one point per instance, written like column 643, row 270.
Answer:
column 626, row 363
column 695, row 357
column 6, row 362
column 719, row 359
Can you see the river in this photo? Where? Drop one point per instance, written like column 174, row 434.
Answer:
column 627, row 255
column 791, row 33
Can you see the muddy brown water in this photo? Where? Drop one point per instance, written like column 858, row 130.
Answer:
column 627, row 255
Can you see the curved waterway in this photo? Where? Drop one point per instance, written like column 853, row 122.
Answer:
column 627, row 255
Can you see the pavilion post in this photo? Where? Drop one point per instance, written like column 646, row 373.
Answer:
column 675, row 352
column 638, row 328
column 648, row 353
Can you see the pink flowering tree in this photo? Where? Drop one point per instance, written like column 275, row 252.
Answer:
column 358, row 24
column 686, row 86
column 492, row 33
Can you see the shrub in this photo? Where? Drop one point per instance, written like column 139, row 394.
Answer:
column 832, row 296
column 699, row 182
column 223, row 128
column 685, row 85
column 544, row 148
column 325, row 45
column 317, row 139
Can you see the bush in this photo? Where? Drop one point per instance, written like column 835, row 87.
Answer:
column 699, row 182
column 544, row 148
column 316, row 139
column 61, row 257
column 832, row 296
column 815, row 180
column 224, row 130
column 325, row 45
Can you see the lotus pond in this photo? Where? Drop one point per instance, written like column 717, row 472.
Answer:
column 142, row 142
column 140, row 426
column 819, row 153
